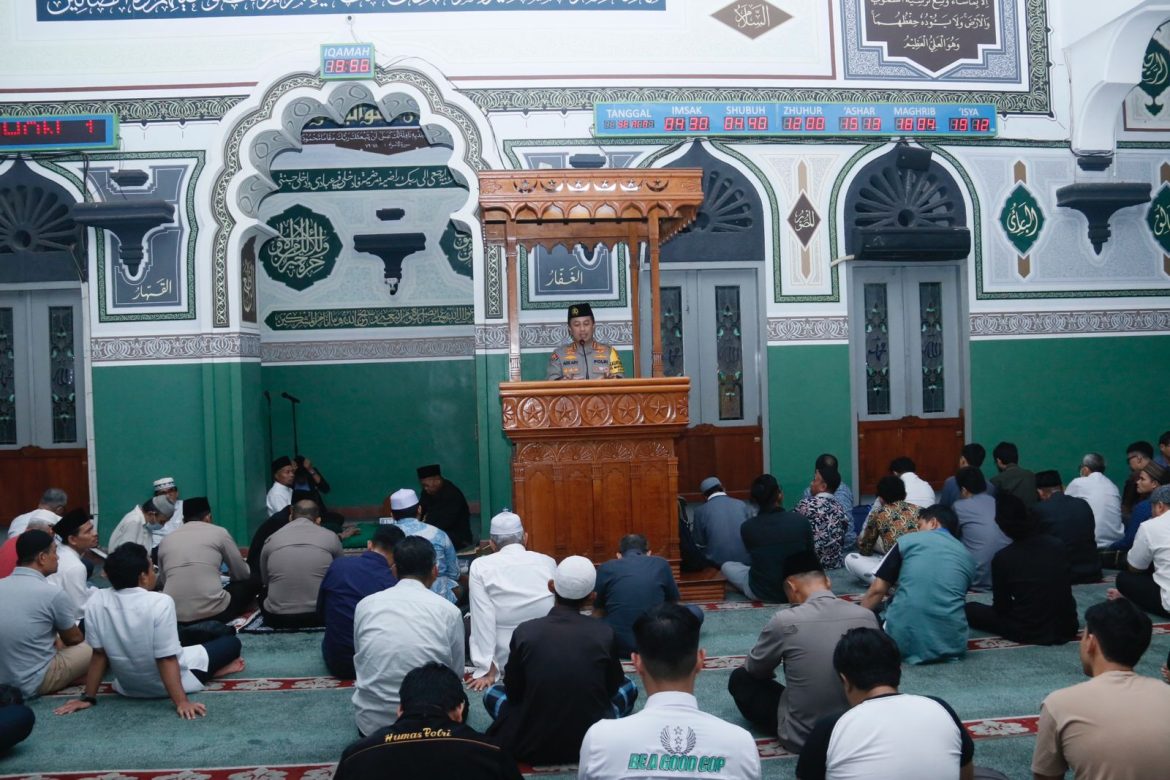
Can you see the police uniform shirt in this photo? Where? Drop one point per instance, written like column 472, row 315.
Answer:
column 669, row 738
column 596, row 361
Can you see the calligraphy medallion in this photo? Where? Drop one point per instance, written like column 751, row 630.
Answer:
column 753, row 19
column 1022, row 219
column 305, row 250
column 804, row 220
column 1158, row 218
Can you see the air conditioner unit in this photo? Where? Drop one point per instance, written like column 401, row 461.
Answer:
column 912, row 244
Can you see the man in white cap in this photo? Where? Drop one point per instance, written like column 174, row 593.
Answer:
column 406, row 509
column 165, row 486
column 563, row 675
column 139, row 524
column 506, row 588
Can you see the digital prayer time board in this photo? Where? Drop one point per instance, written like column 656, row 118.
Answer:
column 57, row 133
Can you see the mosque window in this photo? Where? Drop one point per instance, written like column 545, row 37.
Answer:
column 930, row 303
column 7, row 379
column 670, row 303
column 877, row 349
column 62, row 370
column 729, row 352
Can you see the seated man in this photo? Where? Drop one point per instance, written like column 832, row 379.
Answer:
column 141, row 523
column 630, row 586
column 294, row 562
column 1146, row 582
column 1032, row 587
column 49, row 510
column 400, row 629
column 972, row 455
column 1010, row 478
column 933, row 572
column 977, row 529
column 260, row 538
column 430, row 739
column 35, row 614
column 506, row 588
column 801, row 639
column 829, row 521
column 134, row 634
column 16, row 719
column 349, row 580
column 717, row 523
column 1071, row 520
column 1137, row 454
column 671, row 724
column 563, row 675
column 1102, row 496
column 77, row 535
column 843, row 494
column 444, row 506
column 8, row 549
column 1113, row 725
column 918, row 490
column 770, row 537
column 165, row 486
column 884, row 734
column 189, row 560
column 284, row 475
column 406, row 509
column 891, row 517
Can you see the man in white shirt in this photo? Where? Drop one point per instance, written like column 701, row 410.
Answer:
column 506, row 588
column 78, row 536
column 1102, row 495
column 165, row 486
column 49, row 510
column 671, row 736
column 918, row 490
column 284, row 474
column 400, row 629
column 1150, row 590
column 139, row 524
column 133, row 632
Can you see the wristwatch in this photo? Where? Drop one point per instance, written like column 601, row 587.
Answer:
column 90, row 700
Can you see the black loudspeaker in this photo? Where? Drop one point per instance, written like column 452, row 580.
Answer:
column 912, row 244
column 912, row 158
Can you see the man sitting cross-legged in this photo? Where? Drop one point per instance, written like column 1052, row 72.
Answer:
column 891, row 517
column 770, row 537
column 294, row 562
column 829, row 521
column 189, row 562
column 802, row 639
column 884, row 734
column 1069, row 519
column 670, row 737
column 1114, row 725
column 1147, row 579
column 430, row 739
column 400, row 629
column 349, row 580
column 78, row 536
column 134, row 634
column 407, row 512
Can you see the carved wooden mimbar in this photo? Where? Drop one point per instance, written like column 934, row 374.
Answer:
column 593, row 460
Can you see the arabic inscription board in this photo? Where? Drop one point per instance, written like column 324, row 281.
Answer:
column 934, row 35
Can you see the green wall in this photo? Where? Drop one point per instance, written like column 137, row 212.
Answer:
column 809, row 411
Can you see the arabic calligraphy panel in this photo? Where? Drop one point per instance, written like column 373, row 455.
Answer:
column 1145, row 104
column 573, row 271
column 1022, row 219
column 304, row 252
column 1158, row 218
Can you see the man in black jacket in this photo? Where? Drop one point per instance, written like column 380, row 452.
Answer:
column 1070, row 520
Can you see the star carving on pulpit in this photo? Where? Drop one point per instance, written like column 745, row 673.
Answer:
column 533, row 413
column 657, row 408
column 565, row 412
column 595, row 411
column 625, row 410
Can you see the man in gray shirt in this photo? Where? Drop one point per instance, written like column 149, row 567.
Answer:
column 189, row 562
column 717, row 525
column 293, row 563
column 34, row 612
column 802, row 639
column 978, row 530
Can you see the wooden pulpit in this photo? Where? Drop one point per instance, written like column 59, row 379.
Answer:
column 594, row 461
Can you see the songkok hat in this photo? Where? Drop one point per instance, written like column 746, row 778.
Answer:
column 1156, row 472
column 1048, row 479
column 575, row 578
column 403, row 499
column 164, row 484
column 708, row 484
column 506, row 524
column 32, row 543
column 429, row 471
column 1161, row 495
column 196, row 507
column 580, row 310
column 69, row 524
column 164, row 507
column 281, row 462
column 802, row 563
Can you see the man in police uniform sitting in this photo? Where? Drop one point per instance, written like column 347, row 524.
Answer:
column 583, row 357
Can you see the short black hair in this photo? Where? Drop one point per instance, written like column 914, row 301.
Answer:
column 1144, row 447
column 633, row 542
column 901, row 465
column 826, row 459
column 974, row 454
column 388, row 535
column 765, row 491
column 891, row 488
column 1013, row 517
column 667, row 639
column 30, row 544
column 430, row 688
column 867, row 658
column 414, row 556
column 1122, row 630
column 971, row 479
column 1164, row 439
column 126, row 564
column 1006, row 452
column 945, row 516
column 831, row 477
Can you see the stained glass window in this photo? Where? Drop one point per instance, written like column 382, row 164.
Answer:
column 62, row 374
column 7, row 379
column 933, row 380
column 670, row 305
column 877, row 349
column 729, row 352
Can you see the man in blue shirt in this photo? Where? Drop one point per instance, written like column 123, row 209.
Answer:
column 349, row 580
column 407, row 512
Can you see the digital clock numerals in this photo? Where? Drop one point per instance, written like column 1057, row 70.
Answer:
column 686, row 124
column 355, row 65
column 970, row 125
column 855, row 124
column 739, row 124
column 909, row 124
column 809, row 123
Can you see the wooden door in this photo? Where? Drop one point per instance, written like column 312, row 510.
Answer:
column 710, row 333
column 908, row 370
column 42, row 406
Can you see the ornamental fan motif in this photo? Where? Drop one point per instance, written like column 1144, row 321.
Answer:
column 895, row 197
column 726, row 207
column 34, row 219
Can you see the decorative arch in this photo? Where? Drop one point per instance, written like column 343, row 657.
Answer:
column 39, row 241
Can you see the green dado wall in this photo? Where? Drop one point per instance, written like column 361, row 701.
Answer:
column 183, row 421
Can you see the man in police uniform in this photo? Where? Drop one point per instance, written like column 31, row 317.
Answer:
column 583, row 357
